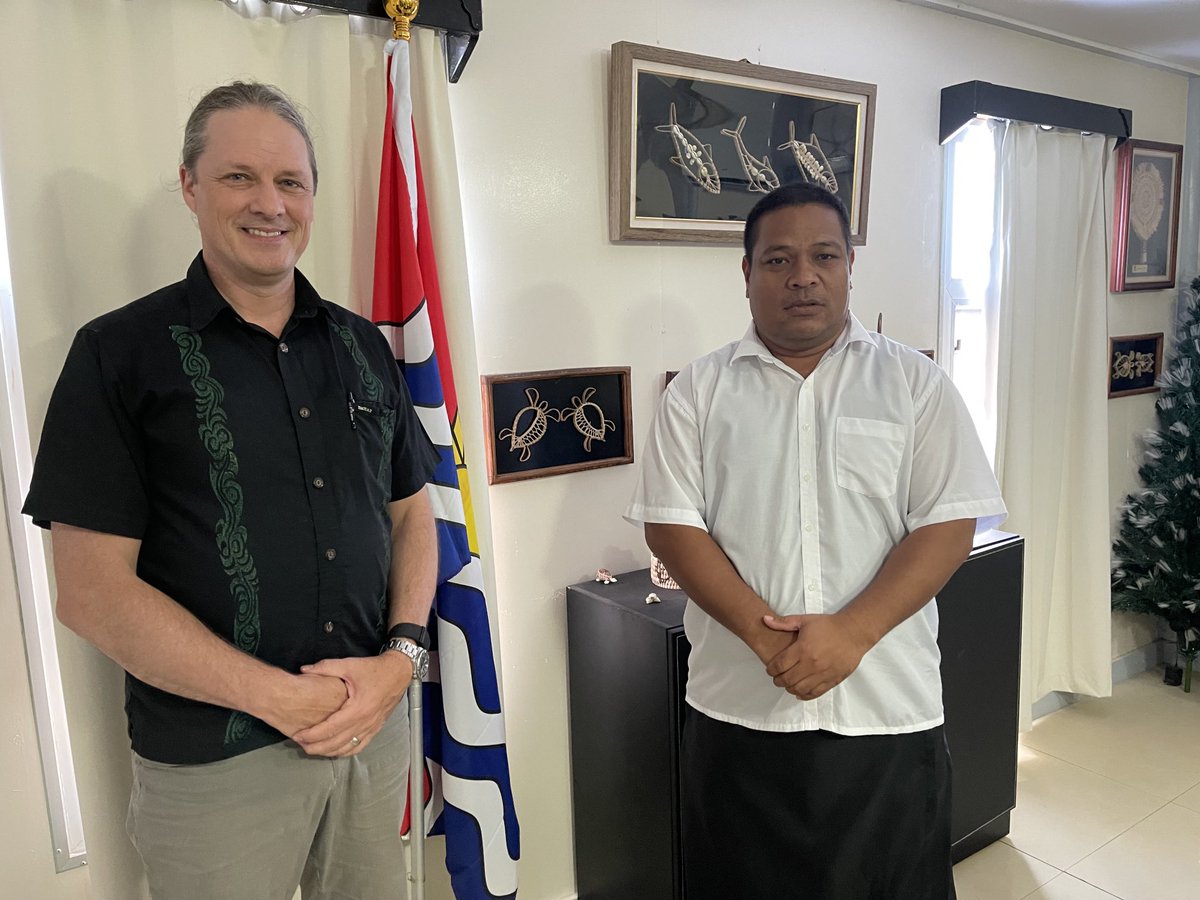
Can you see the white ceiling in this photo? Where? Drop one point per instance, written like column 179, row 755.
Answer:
column 1164, row 33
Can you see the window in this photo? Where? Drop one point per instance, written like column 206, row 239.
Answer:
column 968, row 321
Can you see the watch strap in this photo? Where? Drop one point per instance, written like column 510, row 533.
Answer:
column 418, row 634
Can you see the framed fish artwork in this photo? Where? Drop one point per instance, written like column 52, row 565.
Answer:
column 1146, row 221
column 696, row 141
column 557, row 421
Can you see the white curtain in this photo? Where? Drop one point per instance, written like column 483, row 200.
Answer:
column 1052, row 419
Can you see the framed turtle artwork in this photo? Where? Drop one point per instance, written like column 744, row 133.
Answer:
column 557, row 421
column 1135, row 363
column 696, row 141
column 1146, row 220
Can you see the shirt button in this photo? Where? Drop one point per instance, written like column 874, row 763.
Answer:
column 318, row 482
column 804, row 427
column 808, row 527
column 331, row 554
column 305, row 412
column 812, row 585
column 807, row 477
column 329, row 628
column 283, row 348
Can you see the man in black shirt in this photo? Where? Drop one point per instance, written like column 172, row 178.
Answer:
column 234, row 477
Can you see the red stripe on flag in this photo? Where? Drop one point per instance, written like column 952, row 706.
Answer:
column 398, row 287
column 433, row 293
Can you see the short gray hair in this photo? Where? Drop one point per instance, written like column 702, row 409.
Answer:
column 239, row 95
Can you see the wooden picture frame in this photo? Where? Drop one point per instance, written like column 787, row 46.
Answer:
column 557, row 421
column 696, row 141
column 1134, row 364
column 1146, row 218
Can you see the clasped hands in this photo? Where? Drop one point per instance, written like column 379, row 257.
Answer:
column 823, row 653
column 336, row 700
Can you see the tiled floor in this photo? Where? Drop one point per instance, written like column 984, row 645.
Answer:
column 1108, row 803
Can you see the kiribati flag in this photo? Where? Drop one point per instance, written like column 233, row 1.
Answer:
column 469, row 797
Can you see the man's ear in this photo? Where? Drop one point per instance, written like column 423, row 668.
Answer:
column 850, row 263
column 746, row 274
column 188, row 186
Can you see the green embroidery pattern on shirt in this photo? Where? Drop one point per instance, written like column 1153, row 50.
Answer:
column 230, row 531
column 373, row 388
column 374, row 391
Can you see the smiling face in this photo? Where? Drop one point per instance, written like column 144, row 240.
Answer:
column 798, row 282
column 252, row 193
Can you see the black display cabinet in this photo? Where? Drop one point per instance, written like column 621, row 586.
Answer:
column 628, row 669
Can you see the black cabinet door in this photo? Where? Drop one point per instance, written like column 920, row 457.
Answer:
column 980, row 638
column 628, row 665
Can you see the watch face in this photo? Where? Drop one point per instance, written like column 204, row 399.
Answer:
column 418, row 655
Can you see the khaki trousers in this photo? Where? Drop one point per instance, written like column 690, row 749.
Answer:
column 255, row 826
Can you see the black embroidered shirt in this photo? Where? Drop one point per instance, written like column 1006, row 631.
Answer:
column 255, row 471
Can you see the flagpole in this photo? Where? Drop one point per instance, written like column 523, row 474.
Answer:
column 416, row 788
column 402, row 13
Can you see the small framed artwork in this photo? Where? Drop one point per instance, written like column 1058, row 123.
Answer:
column 558, row 421
column 1146, row 220
column 696, row 141
column 1134, row 364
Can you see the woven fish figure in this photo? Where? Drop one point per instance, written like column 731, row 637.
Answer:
column 811, row 159
column 760, row 177
column 692, row 156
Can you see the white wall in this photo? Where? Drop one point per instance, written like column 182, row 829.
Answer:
column 550, row 290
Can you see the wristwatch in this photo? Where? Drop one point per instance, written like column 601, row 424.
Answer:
column 418, row 655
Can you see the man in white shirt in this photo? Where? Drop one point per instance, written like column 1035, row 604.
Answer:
column 811, row 487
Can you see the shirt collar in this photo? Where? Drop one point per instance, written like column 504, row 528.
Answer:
column 751, row 344
column 206, row 303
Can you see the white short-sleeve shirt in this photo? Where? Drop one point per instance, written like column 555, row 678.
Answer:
column 807, row 484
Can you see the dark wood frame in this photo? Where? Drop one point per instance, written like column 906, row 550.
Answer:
column 500, row 450
column 1141, row 339
column 1123, row 246
column 629, row 59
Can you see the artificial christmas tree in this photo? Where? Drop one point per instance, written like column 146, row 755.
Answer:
column 1156, row 558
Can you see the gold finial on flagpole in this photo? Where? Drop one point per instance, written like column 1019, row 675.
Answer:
column 402, row 13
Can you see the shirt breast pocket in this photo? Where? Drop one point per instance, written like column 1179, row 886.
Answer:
column 375, row 427
column 868, row 455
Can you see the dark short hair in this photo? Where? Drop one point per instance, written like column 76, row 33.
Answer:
column 239, row 95
column 799, row 194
